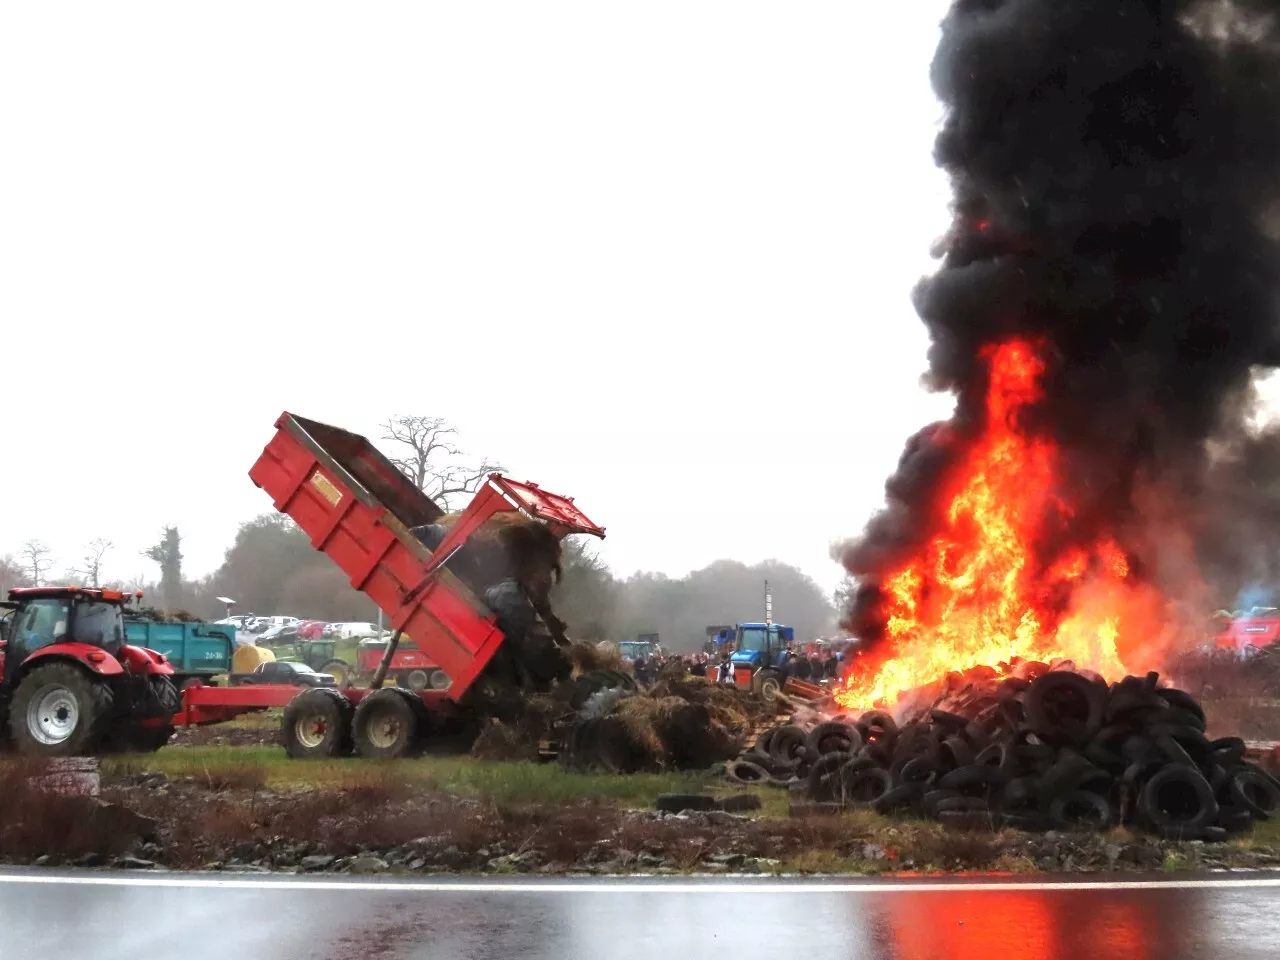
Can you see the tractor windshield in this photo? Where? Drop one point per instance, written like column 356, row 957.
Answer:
column 98, row 624
column 752, row 638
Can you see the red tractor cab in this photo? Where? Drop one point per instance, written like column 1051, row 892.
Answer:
column 70, row 684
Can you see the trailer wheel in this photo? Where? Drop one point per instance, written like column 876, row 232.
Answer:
column 317, row 724
column 417, row 680
column 440, row 680
column 386, row 724
column 59, row 710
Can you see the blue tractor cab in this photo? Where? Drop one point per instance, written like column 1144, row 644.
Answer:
column 759, row 656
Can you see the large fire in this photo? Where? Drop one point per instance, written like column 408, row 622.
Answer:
column 976, row 593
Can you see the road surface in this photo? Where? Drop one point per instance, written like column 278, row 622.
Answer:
column 131, row 916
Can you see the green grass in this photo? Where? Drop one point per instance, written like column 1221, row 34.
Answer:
column 501, row 783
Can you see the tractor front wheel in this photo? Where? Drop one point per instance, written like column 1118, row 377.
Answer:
column 341, row 672
column 767, row 683
column 59, row 710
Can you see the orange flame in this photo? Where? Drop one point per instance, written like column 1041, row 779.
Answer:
column 975, row 593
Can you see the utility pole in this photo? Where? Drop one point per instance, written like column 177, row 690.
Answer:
column 768, row 605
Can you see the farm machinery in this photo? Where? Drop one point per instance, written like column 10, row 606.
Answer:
column 71, row 683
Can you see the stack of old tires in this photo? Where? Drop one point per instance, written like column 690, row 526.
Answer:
column 1043, row 749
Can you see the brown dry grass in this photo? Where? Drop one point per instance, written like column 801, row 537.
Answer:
column 35, row 822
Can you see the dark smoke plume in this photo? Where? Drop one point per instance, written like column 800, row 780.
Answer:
column 1114, row 163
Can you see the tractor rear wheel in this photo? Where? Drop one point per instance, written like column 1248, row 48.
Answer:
column 341, row 672
column 387, row 723
column 317, row 724
column 133, row 738
column 60, row 710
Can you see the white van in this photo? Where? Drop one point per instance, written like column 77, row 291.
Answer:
column 358, row 631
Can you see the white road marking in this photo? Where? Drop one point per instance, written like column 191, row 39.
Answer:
column 746, row 886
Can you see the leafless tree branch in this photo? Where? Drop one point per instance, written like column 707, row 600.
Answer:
column 426, row 454
column 36, row 554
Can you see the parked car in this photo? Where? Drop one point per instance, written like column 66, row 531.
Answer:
column 276, row 635
column 359, row 631
column 284, row 671
column 311, row 629
column 332, row 630
column 240, row 621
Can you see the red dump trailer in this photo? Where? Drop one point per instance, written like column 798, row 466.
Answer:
column 360, row 510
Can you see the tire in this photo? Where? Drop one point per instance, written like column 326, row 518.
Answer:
column 1065, row 707
column 341, row 672
column 166, row 700
column 767, row 683
column 746, row 772
column 317, row 724
column 1081, row 809
column 1255, row 792
column 132, row 738
column 680, row 802
column 440, row 680
column 417, row 680
column 832, row 737
column 787, row 748
column 824, row 783
column 865, row 787
column 386, row 724
column 60, row 710
column 1178, row 802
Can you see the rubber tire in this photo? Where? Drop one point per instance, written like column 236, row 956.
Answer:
column 343, row 678
column 1254, row 791
column 95, row 703
column 825, row 738
column 1048, row 724
column 785, row 747
column 1103, row 814
column 767, row 683
column 824, row 780
column 746, row 772
column 394, row 708
column 874, row 780
column 330, row 707
column 680, row 802
column 132, row 738
column 440, row 680
column 1191, row 779
column 417, row 680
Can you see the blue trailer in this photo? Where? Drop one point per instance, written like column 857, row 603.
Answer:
column 196, row 650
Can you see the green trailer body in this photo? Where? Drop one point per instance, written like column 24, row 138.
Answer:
column 200, row 650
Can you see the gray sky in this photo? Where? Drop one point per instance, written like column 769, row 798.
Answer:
column 654, row 256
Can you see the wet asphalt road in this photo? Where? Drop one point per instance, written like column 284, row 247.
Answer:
column 105, row 916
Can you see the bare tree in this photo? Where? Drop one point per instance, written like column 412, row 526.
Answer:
column 11, row 575
column 429, row 458
column 38, row 560
column 92, row 570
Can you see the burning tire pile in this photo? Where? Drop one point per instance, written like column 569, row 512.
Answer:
column 1036, row 749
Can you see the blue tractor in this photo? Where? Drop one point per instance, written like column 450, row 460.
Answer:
column 760, row 656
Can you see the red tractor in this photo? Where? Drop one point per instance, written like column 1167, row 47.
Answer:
column 70, row 684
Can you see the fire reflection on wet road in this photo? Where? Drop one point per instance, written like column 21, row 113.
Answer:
column 101, row 916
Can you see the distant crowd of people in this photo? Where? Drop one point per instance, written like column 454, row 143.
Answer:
column 719, row 667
